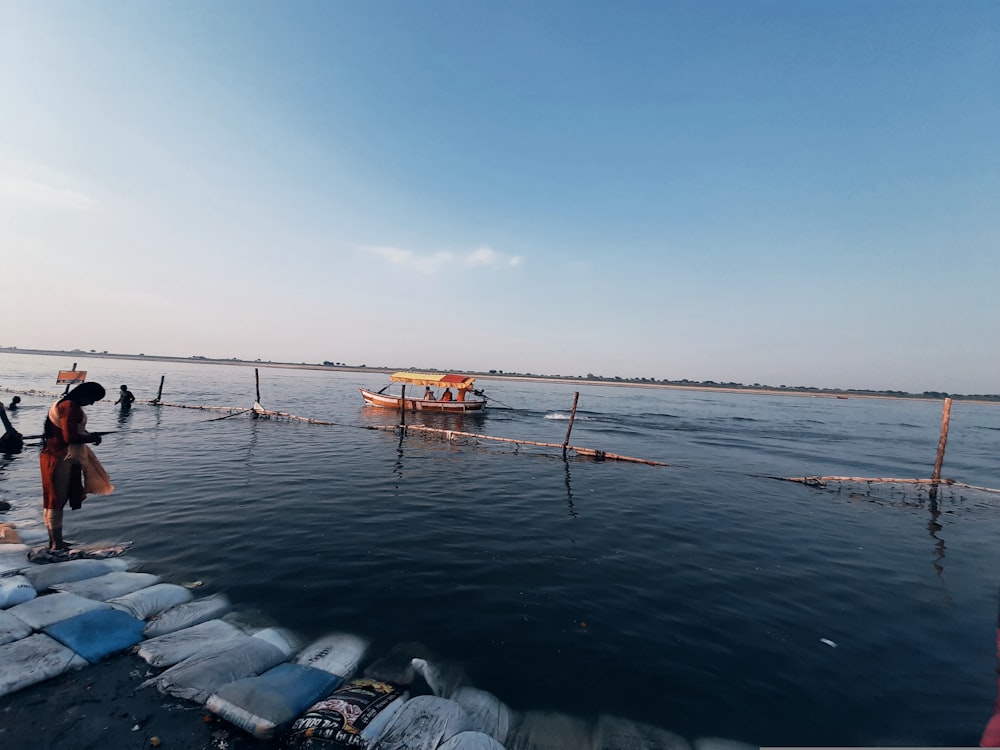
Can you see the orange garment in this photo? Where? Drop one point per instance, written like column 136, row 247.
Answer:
column 62, row 480
column 446, row 396
column 461, row 396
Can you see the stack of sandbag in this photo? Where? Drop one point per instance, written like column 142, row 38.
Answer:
column 197, row 677
column 266, row 704
column 44, row 634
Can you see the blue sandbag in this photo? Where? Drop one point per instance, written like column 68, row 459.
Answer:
column 94, row 635
column 267, row 704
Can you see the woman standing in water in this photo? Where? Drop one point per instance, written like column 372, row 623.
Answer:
column 64, row 456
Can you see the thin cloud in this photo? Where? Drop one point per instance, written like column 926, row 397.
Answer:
column 42, row 194
column 429, row 263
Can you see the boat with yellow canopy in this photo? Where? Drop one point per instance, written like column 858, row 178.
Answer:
column 437, row 395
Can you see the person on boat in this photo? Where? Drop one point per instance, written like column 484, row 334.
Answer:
column 63, row 454
column 428, row 394
column 460, row 396
column 446, row 396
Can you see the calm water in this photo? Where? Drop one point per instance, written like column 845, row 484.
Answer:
column 693, row 596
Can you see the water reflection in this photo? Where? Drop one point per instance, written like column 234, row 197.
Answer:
column 124, row 416
column 569, row 488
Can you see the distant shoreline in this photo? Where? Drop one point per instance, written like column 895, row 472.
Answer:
column 818, row 392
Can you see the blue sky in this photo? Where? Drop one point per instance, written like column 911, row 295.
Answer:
column 784, row 193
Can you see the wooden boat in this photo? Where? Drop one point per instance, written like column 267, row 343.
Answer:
column 435, row 386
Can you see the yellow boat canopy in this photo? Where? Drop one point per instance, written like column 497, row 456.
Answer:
column 443, row 380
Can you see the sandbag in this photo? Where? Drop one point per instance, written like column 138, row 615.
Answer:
column 187, row 614
column 353, row 716
column 267, row 704
column 47, row 610
column 33, row 659
column 43, row 577
column 336, row 653
column 12, row 628
column 13, row 557
column 15, row 590
column 197, row 677
column 209, row 637
column 543, row 730
column 616, row 733
column 487, row 713
column 471, row 741
column 443, row 678
column 149, row 601
column 95, row 635
column 109, row 585
column 283, row 638
column 424, row 723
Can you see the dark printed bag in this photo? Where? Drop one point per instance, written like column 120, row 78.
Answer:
column 353, row 716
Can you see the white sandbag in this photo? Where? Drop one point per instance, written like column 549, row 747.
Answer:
column 187, row 614
column 265, row 705
column 336, row 653
column 47, row 610
column 12, row 628
column 487, row 713
column 198, row 677
column 423, row 723
column 15, row 590
column 616, row 733
column 470, row 741
column 147, row 602
column 109, row 585
column 281, row 638
column 542, row 730
column 443, row 678
column 33, row 659
column 209, row 637
column 43, row 577
column 353, row 716
column 13, row 557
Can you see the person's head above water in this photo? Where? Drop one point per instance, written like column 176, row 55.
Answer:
column 86, row 393
column 124, row 387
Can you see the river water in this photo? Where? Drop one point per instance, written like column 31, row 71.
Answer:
column 702, row 597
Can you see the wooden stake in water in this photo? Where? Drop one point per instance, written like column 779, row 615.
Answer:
column 402, row 407
column 256, row 374
column 945, row 419
column 159, row 392
column 572, row 418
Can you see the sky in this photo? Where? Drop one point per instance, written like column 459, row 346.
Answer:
column 753, row 191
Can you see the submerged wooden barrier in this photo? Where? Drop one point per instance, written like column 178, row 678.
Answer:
column 931, row 483
column 449, row 434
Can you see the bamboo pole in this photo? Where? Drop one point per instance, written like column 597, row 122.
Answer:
column 943, row 441
column 159, row 392
column 256, row 375
column 572, row 418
